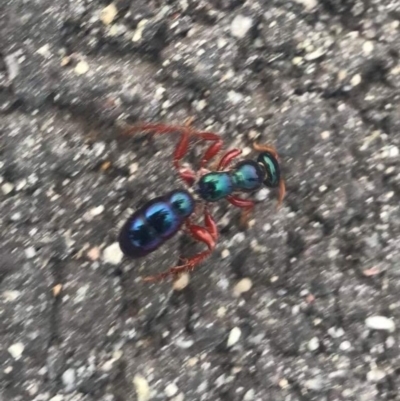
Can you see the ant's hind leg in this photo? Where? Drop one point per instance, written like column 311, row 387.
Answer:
column 227, row 158
column 208, row 235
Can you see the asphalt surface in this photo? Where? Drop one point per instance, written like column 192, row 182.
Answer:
column 303, row 305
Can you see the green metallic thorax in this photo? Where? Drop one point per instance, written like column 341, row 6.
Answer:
column 246, row 176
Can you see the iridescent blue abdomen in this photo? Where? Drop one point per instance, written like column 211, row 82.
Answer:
column 154, row 223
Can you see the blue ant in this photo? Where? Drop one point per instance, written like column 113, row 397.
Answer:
column 161, row 218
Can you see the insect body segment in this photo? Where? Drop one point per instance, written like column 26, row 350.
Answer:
column 272, row 170
column 154, row 223
column 215, row 186
column 246, row 176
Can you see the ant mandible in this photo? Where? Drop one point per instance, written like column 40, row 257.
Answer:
column 161, row 218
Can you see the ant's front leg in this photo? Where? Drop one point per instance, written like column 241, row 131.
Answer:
column 227, row 158
column 245, row 204
column 186, row 174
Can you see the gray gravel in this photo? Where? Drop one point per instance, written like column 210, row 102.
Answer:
column 303, row 305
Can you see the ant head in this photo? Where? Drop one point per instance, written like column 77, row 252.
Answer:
column 271, row 167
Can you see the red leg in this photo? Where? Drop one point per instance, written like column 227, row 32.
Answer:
column 211, row 152
column 187, row 175
column 210, row 225
column 227, row 158
column 206, row 235
column 247, row 206
column 169, row 129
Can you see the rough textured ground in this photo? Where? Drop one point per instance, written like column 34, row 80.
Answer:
column 320, row 80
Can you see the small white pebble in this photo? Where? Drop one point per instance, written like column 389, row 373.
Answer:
column 171, row 390
column 68, row 379
column 10, row 296
column 238, row 238
column 221, row 42
column 356, row 80
column 234, row 337
column 267, row 227
column 380, row 323
column 235, row 97
column 137, row 36
column 7, row 188
column 297, row 60
column 160, row 92
column 30, row 252
column 94, row 253
column 184, row 344
column 225, row 253
column 246, row 151
column 249, row 396
column 16, row 216
column 45, row 51
column 201, row 105
column 113, row 254
column 57, row 397
column 313, row 344
column 240, row 26
column 315, row 54
column 108, row 14
column 253, row 134
column 166, row 104
column 16, row 350
column 81, row 68
column 96, row 211
column 393, row 151
column 221, row 312
column 390, row 342
column 368, row 48
column 342, row 75
column 322, row 188
column 345, row 345
column 315, row 384
column 336, row 332
column 375, row 375
column 133, row 168
column 179, row 397
column 108, row 365
column 21, row 184
column 142, row 388
column 283, row 384
column 181, row 282
column 262, row 194
column 325, row 135
column 242, row 286
column 333, row 253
